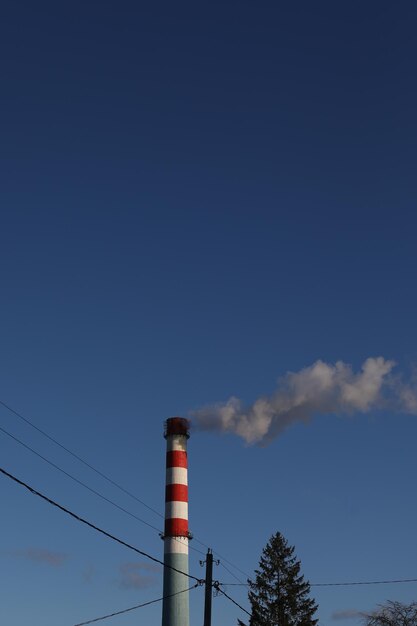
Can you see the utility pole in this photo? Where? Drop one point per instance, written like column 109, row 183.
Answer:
column 209, row 586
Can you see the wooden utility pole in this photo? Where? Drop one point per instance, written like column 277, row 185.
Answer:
column 209, row 587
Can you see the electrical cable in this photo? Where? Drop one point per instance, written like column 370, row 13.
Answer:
column 232, row 574
column 217, row 587
column 222, row 558
column 79, row 482
column 76, row 456
column 341, row 584
column 115, row 484
column 107, row 478
column 349, row 584
column 215, row 553
column 138, row 606
column 379, row 582
column 231, row 564
column 112, row 482
column 94, row 469
column 94, row 527
column 217, row 584
column 371, row 582
column 253, row 620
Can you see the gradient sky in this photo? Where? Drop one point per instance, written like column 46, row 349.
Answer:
column 195, row 199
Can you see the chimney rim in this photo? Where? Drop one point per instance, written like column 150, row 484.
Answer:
column 177, row 426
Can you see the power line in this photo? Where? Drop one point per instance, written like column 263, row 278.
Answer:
column 107, row 478
column 217, row 587
column 115, row 484
column 253, row 620
column 222, row 558
column 337, row 584
column 80, row 482
column 138, row 606
column 367, row 582
column 232, row 574
column 90, row 466
column 231, row 564
column 94, row 527
column 348, row 584
column 378, row 582
column 76, row 456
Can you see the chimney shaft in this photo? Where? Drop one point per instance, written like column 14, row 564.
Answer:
column 175, row 610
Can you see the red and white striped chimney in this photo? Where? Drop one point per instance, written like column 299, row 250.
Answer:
column 175, row 611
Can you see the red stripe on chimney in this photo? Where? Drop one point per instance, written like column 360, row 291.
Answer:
column 176, row 458
column 176, row 527
column 177, row 493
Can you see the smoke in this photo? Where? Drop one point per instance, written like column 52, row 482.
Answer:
column 347, row 614
column 89, row 573
column 321, row 388
column 41, row 555
column 137, row 575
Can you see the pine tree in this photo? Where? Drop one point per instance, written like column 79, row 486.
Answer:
column 279, row 595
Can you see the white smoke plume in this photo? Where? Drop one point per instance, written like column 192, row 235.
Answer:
column 348, row 614
column 321, row 388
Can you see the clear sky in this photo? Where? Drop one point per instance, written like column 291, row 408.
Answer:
column 195, row 199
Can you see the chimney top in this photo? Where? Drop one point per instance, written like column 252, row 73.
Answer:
column 177, row 426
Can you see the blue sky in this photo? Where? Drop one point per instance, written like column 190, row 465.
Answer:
column 196, row 199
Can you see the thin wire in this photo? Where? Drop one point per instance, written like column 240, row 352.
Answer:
column 215, row 553
column 222, row 558
column 231, row 565
column 76, row 456
column 372, row 582
column 94, row 469
column 217, row 586
column 138, row 606
column 232, row 574
column 253, row 620
column 94, row 527
column 379, row 582
column 343, row 584
column 79, row 482
column 349, row 584
column 131, row 495
column 110, row 480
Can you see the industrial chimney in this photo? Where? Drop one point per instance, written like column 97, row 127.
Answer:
column 175, row 610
